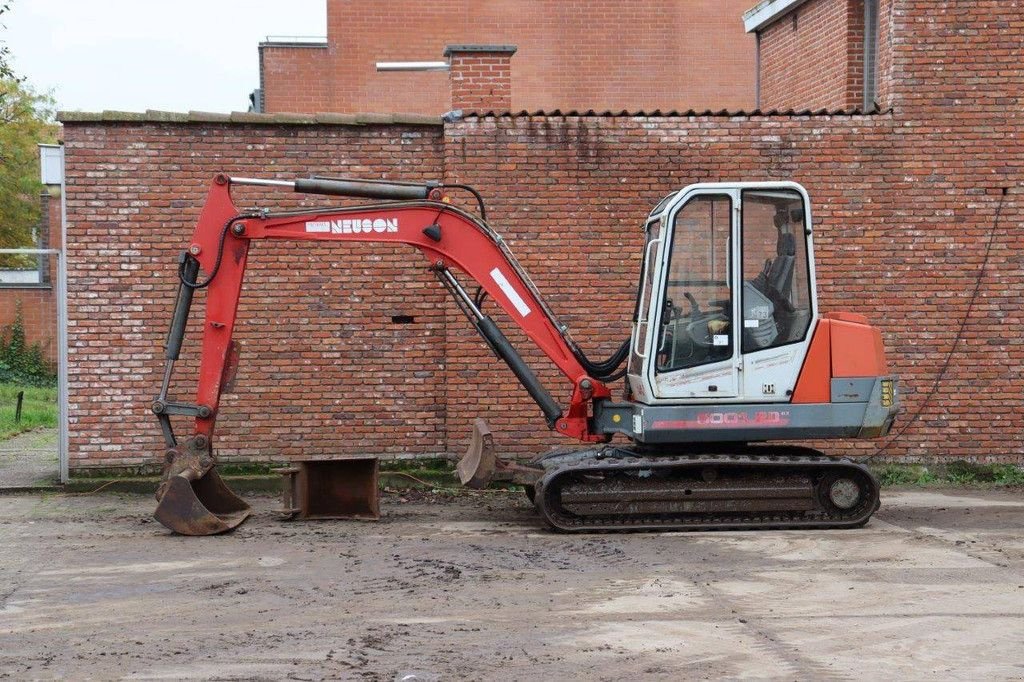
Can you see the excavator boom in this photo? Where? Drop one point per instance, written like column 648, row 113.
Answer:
column 451, row 240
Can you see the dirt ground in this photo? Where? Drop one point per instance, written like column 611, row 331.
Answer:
column 29, row 459
column 474, row 588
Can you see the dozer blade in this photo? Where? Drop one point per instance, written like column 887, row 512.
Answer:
column 199, row 506
column 476, row 468
column 480, row 465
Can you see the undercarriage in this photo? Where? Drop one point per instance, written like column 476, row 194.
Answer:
column 684, row 488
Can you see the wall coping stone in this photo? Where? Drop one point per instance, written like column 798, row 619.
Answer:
column 502, row 49
column 153, row 116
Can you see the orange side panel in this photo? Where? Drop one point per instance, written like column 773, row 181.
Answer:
column 814, row 384
column 847, row 317
column 857, row 350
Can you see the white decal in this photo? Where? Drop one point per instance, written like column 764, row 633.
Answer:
column 353, row 225
column 720, row 340
column 499, row 278
column 751, row 324
column 638, row 424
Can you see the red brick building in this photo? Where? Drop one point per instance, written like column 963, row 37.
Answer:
column 821, row 54
column 357, row 350
column 572, row 54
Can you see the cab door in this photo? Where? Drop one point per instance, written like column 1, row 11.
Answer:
column 693, row 343
column 777, row 292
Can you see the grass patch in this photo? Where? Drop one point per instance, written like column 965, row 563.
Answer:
column 38, row 409
column 956, row 473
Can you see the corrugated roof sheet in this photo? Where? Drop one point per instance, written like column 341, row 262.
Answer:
column 152, row 116
column 658, row 113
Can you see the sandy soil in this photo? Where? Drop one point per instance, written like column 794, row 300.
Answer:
column 474, row 588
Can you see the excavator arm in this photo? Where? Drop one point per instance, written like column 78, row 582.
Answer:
column 193, row 499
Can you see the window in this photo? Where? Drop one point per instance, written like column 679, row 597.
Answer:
column 695, row 322
column 776, row 275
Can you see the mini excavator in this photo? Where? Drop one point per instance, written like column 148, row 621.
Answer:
column 729, row 355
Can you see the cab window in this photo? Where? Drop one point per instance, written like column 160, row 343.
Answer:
column 695, row 321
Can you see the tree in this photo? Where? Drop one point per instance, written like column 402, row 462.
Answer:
column 5, row 52
column 26, row 119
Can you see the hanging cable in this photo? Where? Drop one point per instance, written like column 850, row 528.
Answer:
column 959, row 333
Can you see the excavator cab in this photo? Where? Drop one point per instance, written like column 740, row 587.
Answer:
column 728, row 281
column 727, row 314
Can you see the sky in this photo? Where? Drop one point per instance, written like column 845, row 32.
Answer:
column 133, row 55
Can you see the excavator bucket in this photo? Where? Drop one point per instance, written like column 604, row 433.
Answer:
column 202, row 505
column 345, row 488
column 480, row 465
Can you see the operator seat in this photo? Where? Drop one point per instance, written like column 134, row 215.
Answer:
column 780, row 275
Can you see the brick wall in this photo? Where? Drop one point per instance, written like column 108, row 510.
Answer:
column 296, row 78
column 813, row 57
column 480, row 77
column 905, row 206
column 576, row 54
column 324, row 368
column 887, row 37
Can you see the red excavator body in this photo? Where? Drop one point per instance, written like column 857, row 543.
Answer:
column 750, row 360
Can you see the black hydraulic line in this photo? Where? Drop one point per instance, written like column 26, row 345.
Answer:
column 479, row 296
column 500, row 344
column 191, row 282
column 613, row 377
column 605, row 371
column 363, row 188
column 476, row 194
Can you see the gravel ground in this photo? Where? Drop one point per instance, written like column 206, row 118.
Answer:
column 29, row 459
column 474, row 588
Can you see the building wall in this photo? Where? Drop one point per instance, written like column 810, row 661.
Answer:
column 812, row 58
column 887, row 38
column 913, row 230
column 38, row 303
column 593, row 54
column 296, row 77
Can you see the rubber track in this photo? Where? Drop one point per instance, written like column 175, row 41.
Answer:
column 766, row 460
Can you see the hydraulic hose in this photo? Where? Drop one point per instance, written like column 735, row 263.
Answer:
column 605, row 371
